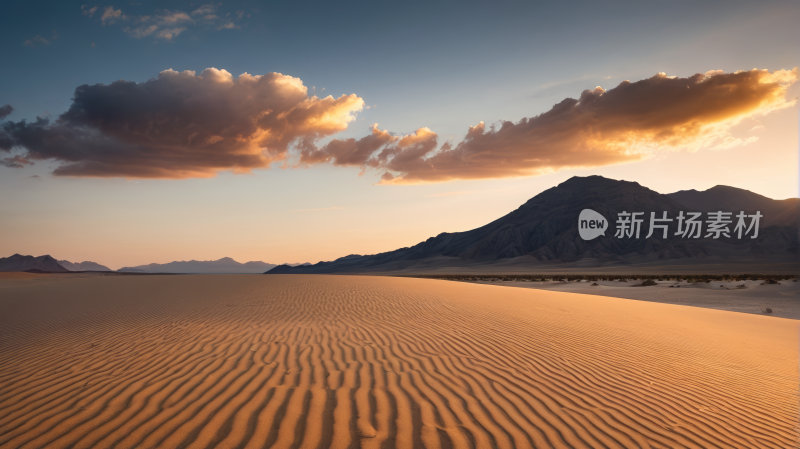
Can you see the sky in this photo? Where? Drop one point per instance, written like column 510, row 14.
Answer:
column 142, row 132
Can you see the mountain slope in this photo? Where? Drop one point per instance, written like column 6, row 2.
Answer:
column 224, row 265
column 726, row 198
column 83, row 266
column 544, row 230
column 19, row 262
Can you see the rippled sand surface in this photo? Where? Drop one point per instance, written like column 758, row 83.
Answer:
column 249, row 361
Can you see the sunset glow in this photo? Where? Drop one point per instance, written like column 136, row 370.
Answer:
column 244, row 142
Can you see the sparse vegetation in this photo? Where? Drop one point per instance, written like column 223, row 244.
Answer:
column 647, row 282
column 595, row 278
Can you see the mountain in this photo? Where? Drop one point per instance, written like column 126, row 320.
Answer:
column 726, row 198
column 544, row 232
column 221, row 266
column 18, row 262
column 83, row 266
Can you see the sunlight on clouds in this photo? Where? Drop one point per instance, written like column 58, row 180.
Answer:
column 182, row 125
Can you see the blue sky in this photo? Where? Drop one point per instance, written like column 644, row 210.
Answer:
column 426, row 64
column 441, row 65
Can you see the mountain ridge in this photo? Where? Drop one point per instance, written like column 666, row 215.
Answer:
column 18, row 262
column 225, row 265
column 83, row 266
column 720, row 197
column 543, row 230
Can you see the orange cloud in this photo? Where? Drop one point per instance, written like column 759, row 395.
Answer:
column 601, row 127
column 182, row 125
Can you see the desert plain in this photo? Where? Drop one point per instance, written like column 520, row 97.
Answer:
column 316, row 361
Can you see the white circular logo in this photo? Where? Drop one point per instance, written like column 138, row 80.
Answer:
column 591, row 224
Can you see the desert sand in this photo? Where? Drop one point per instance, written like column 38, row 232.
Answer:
column 248, row 361
column 754, row 297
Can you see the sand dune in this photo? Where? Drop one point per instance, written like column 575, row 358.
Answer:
column 238, row 361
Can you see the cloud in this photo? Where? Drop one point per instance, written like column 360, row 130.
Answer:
column 86, row 11
column 40, row 40
column 206, row 12
column 141, row 31
column 162, row 25
column 110, row 15
column 627, row 123
column 182, row 125
column 172, row 18
column 168, row 34
column 5, row 111
column 36, row 40
column 15, row 161
column 350, row 152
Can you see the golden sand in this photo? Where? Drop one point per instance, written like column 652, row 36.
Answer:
column 248, row 361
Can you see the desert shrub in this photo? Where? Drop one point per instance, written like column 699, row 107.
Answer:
column 648, row 282
column 768, row 279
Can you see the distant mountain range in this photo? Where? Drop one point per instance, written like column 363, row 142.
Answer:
column 226, row 265
column 543, row 234
column 83, row 266
column 18, row 262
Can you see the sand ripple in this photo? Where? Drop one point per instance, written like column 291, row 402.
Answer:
column 341, row 361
